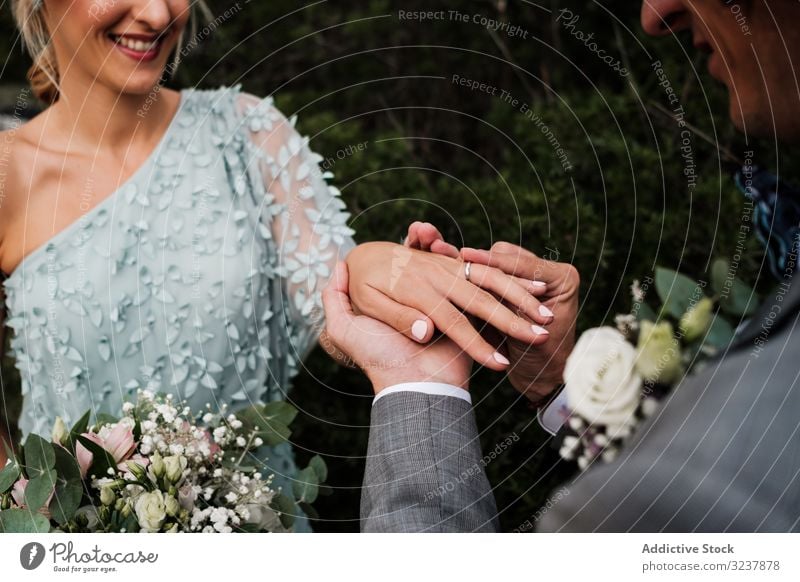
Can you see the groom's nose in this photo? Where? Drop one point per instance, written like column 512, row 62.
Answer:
column 660, row 17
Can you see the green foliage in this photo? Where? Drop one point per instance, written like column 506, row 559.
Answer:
column 285, row 505
column 39, row 456
column 8, row 476
column 68, row 490
column 23, row 521
column 270, row 421
column 39, row 489
column 677, row 292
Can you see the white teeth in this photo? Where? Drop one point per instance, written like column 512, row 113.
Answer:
column 136, row 45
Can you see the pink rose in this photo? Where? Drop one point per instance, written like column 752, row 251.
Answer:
column 18, row 494
column 119, row 443
column 84, row 458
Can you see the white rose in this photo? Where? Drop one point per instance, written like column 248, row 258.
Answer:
column 602, row 384
column 151, row 511
column 174, row 466
column 60, row 432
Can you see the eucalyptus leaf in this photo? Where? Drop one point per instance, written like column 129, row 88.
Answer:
column 23, row 521
column 320, row 468
column 676, row 291
column 719, row 276
column 39, row 489
column 274, row 433
column 309, row 510
column 9, row 475
column 39, row 456
column 271, row 431
column 271, row 420
column 279, row 411
column 740, row 300
column 286, row 507
column 306, row 486
column 719, row 334
column 69, row 488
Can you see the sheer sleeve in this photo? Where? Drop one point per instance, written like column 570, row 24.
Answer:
column 308, row 221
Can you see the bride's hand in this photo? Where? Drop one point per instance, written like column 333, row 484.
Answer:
column 535, row 372
column 412, row 291
column 386, row 356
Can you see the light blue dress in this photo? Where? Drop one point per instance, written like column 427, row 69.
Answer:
column 200, row 276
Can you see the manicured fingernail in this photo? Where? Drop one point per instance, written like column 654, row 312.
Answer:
column 538, row 284
column 419, row 329
column 501, row 359
column 539, row 330
column 544, row 312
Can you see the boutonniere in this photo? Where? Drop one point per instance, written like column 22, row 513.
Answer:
column 615, row 376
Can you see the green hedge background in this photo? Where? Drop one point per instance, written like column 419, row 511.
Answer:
column 479, row 168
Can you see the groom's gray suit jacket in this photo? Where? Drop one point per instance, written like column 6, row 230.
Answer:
column 722, row 453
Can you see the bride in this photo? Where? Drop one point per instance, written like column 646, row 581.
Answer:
column 179, row 240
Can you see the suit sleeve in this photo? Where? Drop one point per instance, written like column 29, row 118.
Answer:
column 425, row 471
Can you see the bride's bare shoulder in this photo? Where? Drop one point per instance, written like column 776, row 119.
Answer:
column 18, row 147
column 19, row 143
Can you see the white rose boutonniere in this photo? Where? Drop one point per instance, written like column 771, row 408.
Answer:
column 615, row 377
column 602, row 384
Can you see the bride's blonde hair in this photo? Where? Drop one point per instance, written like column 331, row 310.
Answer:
column 43, row 73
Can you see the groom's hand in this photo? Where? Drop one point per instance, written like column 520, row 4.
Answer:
column 386, row 356
column 537, row 370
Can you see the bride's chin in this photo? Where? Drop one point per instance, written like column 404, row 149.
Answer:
column 139, row 86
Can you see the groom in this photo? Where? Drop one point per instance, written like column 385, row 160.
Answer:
column 722, row 452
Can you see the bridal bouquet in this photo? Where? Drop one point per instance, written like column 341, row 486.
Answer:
column 615, row 376
column 155, row 469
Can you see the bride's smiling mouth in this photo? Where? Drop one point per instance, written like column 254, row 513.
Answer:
column 139, row 47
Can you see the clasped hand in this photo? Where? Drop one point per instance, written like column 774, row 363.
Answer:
column 524, row 308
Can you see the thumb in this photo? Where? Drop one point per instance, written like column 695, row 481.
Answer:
column 336, row 302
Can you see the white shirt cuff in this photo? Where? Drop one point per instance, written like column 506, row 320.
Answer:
column 432, row 388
